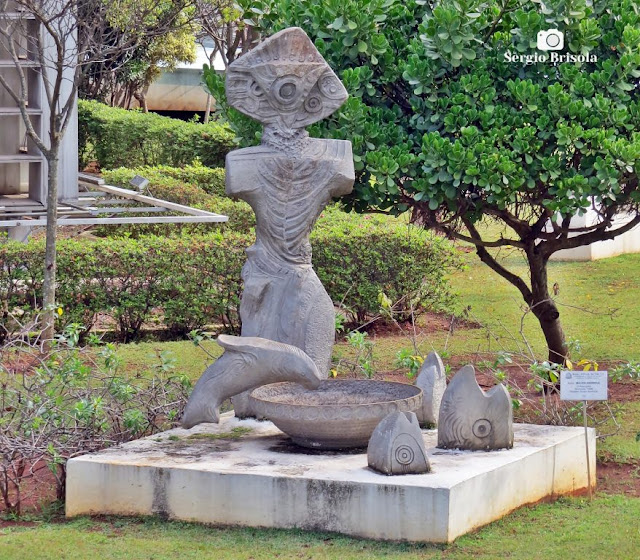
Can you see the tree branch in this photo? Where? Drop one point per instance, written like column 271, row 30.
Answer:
column 492, row 263
column 549, row 247
column 502, row 242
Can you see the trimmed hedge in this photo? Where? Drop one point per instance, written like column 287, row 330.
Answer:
column 190, row 282
column 116, row 137
column 363, row 255
column 209, row 179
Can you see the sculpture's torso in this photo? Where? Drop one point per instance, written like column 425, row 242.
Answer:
column 283, row 299
column 287, row 193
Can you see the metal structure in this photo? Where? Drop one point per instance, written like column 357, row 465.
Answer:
column 23, row 169
column 98, row 204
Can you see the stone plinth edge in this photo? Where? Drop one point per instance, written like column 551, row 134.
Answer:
column 255, row 481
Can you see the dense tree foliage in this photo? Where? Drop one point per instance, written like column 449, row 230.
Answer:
column 145, row 37
column 457, row 116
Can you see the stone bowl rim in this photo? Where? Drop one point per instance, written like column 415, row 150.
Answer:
column 314, row 425
column 415, row 393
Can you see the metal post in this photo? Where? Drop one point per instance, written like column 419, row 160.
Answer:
column 586, row 446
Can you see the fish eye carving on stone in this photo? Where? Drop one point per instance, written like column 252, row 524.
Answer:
column 396, row 446
column 284, row 82
column 472, row 419
column 403, row 450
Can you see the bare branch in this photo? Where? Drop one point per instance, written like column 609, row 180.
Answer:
column 490, row 261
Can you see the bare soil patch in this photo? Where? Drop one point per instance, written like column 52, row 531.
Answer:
column 619, row 478
column 38, row 492
column 426, row 323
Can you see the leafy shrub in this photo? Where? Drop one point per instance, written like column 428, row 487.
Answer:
column 195, row 281
column 209, row 179
column 359, row 256
column 21, row 277
column 204, row 282
column 117, row 137
column 74, row 401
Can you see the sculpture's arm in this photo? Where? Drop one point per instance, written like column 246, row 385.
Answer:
column 241, row 173
column 342, row 182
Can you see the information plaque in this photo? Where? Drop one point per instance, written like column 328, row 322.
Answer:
column 583, row 385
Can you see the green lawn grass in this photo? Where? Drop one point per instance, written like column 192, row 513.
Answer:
column 190, row 360
column 622, row 446
column 597, row 300
column 571, row 528
column 598, row 303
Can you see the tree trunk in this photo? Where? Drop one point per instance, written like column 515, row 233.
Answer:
column 49, row 285
column 537, row 296
column 141, row 98
column 545, row 309
column 207, row 113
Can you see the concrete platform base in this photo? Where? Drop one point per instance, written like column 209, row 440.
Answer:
column 248, row 473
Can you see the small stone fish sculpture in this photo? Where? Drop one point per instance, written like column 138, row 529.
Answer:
column 433, row 382
column 396, row 446
column 472, row 419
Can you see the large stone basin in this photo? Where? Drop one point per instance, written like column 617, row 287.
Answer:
column 340, row 414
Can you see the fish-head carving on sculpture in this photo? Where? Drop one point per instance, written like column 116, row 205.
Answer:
column 396, row 446
column 247, row 362
column 284, row 82
column 472, row 419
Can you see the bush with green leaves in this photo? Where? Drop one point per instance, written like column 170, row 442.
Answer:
column 73, row 400
column 357, row 257
column 208, row 179
column 188, row 282
column 453, row 118
column 184, row 282
column 117, row 137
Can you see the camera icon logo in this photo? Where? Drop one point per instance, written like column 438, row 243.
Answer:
column 550, row 40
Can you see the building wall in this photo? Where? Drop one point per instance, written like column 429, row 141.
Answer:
column 626, row 243
column 25, row 173
column 180, row 90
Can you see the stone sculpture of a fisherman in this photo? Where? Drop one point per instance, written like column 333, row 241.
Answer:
column 285, row 84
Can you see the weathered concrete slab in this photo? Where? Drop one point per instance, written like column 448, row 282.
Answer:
column 259, row 480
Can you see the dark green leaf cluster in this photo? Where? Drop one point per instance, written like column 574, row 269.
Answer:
column 446, row 119
column 358, row 257
column 185, row 282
